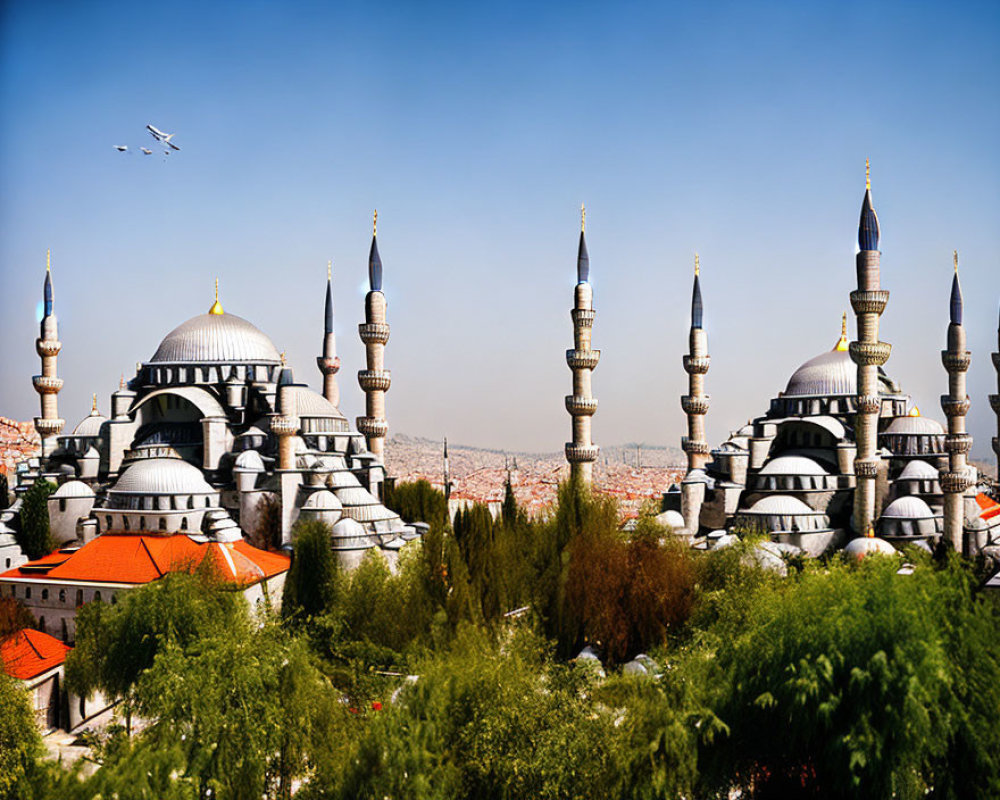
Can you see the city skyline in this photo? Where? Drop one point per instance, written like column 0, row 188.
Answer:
column 478, row 161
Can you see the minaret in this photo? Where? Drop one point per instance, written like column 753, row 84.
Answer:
column 581, row 405
column 956, row 479
column 447, row 472
column 995, row 401
column 695, row 405
column 286, row 424
column 869, row 354
column 47, row 345
column 329, row 363
column 374, row 333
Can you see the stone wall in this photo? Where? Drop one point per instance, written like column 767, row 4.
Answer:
column 18, row 441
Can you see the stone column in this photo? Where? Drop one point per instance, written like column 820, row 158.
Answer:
column 695, row 405
column 47, row 345
column 868, row 302
column 956, row 479
column 581, row 453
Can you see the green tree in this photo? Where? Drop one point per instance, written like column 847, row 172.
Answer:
column 20, row 743
column 312, row 582
column 4, row 491
column 35, row 538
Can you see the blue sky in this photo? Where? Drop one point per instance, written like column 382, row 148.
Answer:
column 738, row 130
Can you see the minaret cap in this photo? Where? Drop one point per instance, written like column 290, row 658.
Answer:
column 216, row 306
column 328, row 310
column 697, row 307
column 956, row 296
column 582, row 256
column 374, row 261
column 48, row 283
column 841, row 346
column 868, row 229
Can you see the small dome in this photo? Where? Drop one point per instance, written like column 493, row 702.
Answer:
column 347, row 528
column 670, row 519
column 915, row 425
column 792, row 465
column 918, row 470
column 90, row 425
column 312, row 404
column 907, row 507
column 250, row 461
column 161, row 476
column 782, row 504
column 212, row 338
column 73, row 489
column 868, row 545
column 322, row 500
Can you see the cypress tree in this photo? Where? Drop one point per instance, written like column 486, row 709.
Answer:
column 311, row 584
column 35, row 539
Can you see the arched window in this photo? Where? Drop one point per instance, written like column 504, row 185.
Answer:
column 62, row 626
column 45, row 594
column 27, row 593
column 142, row 523
column 62, row 504
column 114, row 599
column 79, row 597
column 163, row 523
column 184, row 523
column 191, row 502
column 62, row 595
column 125, row 523
column 108, row 520
column 41, row 624
column 97, row 597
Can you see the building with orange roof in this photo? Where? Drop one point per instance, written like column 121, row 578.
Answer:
column 36, row 660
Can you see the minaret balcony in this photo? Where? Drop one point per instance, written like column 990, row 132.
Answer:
column 955, row 482
column 869, row 354
column 995, row 403
column 583, row 317
column 284, row 426
column 956, row 362
column 374, row 380
column 583, row 359
column 869, row 302
column 47, row 385
column 696, row 365
column 373, row 428
column 374, row 332
column 694, row 404
column 581, row 453
column 581, row 406
column 695, row 447
column 48, row 427
column 866, row 467
column 869, row 404
column 953, row 406
column 957, row 443
column 328, row 365
column 47, row 347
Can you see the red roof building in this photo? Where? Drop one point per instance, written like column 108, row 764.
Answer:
column 30, row 653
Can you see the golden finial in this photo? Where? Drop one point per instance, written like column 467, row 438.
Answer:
column 583, row 217
column 842, row 346
column 914, row 412
column 870, row 533
column 956, row 262
column 216, row 306
column 697, row 265
column 48, row 261
column 121, row 383
column 93, row 407
column 329, row 270
column 868, row 175
column 375, row 224
column 283, row 363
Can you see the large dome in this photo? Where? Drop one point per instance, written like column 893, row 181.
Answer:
column 214, row 338
column 827, row 374
column 152, row 476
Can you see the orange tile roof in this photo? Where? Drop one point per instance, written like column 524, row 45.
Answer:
column 28, row 653
column 990, row 508
column 138, row 558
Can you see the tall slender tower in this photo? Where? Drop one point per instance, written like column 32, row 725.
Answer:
column 581, row 453
column 695, row 405
column 286, row 423
column 995, row 401
column 868, row 302
column 374, row 333
column 47, row 345
column 447, row 472
column 329, row 363
column 956, row 479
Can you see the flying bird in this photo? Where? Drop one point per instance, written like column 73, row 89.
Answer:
column 161, row 137
column 121, row 148
column 146, row 151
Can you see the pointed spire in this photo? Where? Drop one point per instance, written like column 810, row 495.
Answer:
column 582, row 257
column 697, row 308
column 374, row 261
column 121, row 383
column 445, row 446
column 93, row 407
column 216, row 306
column 48, row 283
column 956, row 296
column 842, row 345
column 328, row 323
column 868, row 230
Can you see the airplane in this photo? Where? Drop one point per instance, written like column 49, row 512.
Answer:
column 161, row 137
column 146, row 151
column 121, row 148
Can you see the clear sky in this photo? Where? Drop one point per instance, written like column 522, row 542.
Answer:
column 736, row 129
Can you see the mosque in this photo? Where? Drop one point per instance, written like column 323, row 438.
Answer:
column 842, row 458
column 211, row 449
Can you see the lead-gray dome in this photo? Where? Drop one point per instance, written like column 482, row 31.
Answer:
column 214, row 338
column 915, row 425
column 907, row 507
column 827, row 374
column 170, row 476
column 792, row 465
column 918, row 470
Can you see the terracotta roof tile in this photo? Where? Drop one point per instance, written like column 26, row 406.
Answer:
column 29, row 653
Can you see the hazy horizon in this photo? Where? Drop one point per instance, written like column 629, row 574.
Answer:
column 738, row 131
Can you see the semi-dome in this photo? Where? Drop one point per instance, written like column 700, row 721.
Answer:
column 782, row 504
column 215, row 338
column 918, row 470
column 792, row 465
column 309, row 403
column 915, row 425
column 868, row 545
column 73, row 489
column 907, row 507
column 171, row 476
